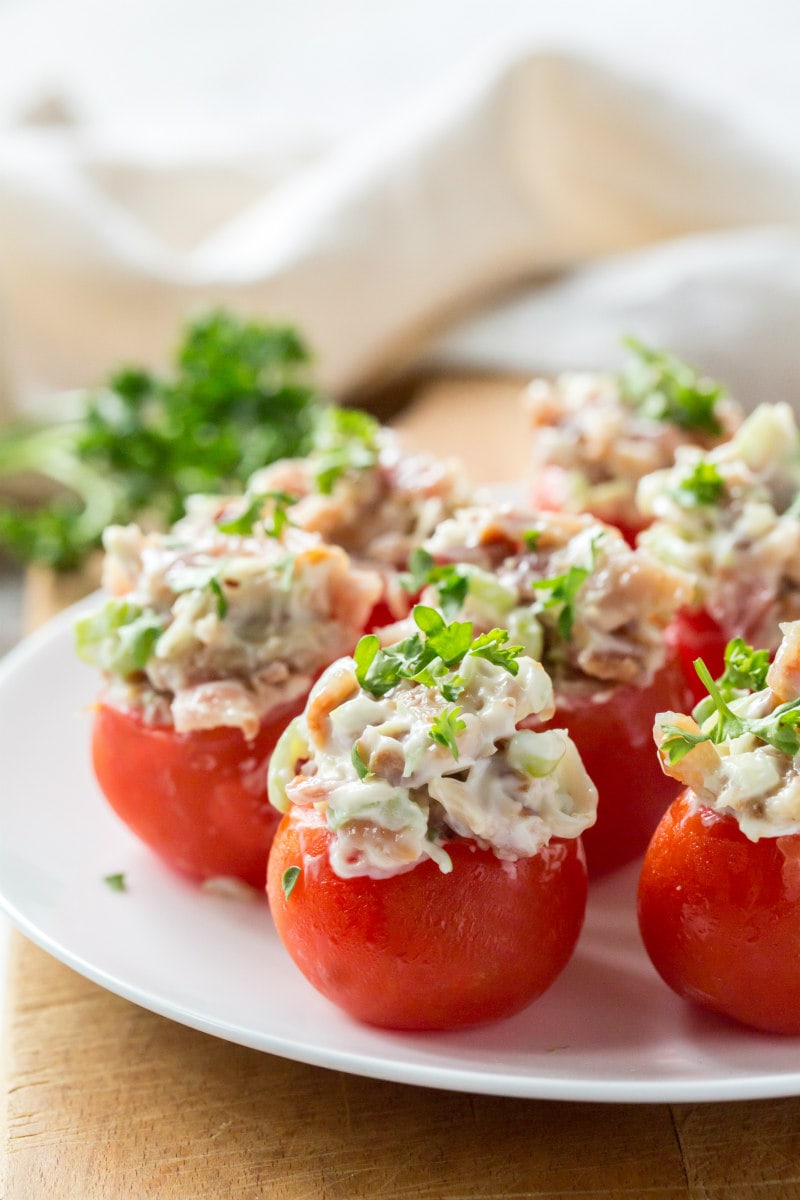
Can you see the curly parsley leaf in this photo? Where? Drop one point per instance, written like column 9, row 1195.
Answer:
column 237, row 399
column 745, row 669
column 430, row 659
column 268, row 509
column 562, row 593
column 778, row 728
column 445, row 729
column 664, row 388
column 451, row 583
column 703, row 486
column 494, row 647
column 345, row 439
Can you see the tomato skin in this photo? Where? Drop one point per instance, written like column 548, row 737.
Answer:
column 720, row 917
column 614, row 736
column 424, row 950
column 695, row 634
column 198, row 799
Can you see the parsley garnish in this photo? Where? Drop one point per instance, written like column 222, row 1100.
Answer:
column 119, row 637
column 274, row 523
column 288, row 879
column 451, row 584
column 531, row 537
column 563, row 591
column 222, row 603
column 492, row 646
column 702, row 486
column 745, row 669
column 445, row 727
column 662, row 387
column 237, row 399
column 362, row 770
column 345, row 439
column 431, row 658
column 778, row 728
column 116, row 883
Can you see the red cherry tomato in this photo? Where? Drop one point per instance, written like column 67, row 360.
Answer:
column 695, row 634
column 424, row 950
column 720, row 917
column 614, row 735
column 550, row 492
column 197, row 799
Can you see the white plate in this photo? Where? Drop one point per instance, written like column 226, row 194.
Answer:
column 608, row 1029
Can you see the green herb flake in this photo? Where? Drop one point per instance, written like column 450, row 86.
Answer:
column 120, row 637
column 222, row 603
column 562, row 594
column 530, row 538
column 679, row 742
column 703, row 486
column 663, row 388
column 362, row 770
column 445, row 728
column 288, row 879
column 778, row 729
column 116, row 883
column 345, row 440
column 494, row 648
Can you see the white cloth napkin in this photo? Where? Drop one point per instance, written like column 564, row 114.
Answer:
column 511, row 174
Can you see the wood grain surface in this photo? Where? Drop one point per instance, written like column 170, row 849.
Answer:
column 105, row 1101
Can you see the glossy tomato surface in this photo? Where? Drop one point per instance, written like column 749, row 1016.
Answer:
column 424, row 950
column 695, row 634
column 198, row 799
column 720, row 917
column 613, row 730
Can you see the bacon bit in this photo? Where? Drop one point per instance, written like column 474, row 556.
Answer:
column 341, row 685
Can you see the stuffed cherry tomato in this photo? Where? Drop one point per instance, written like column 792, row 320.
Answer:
column 208, row 650
column 198, row 799
column 614, row 732
column 719, row 916
column 423, row 949
column 594, row 611
column 595, row 436
column 729, row 519
column 719, row 894
column 429, row 873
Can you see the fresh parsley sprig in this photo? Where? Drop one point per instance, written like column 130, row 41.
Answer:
column 720, row 723
column 445, row 729
column 268, row 509
column 430, row 656
column 702, row 487
column 664, row 388
column 451, row 583
column 345, row 439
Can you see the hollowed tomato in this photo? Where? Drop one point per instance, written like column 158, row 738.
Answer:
column 423, row 949
column 720, row 917
column 198, row 799
column 613, row 730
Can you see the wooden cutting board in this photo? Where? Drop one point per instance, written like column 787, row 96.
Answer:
column 105, row 1101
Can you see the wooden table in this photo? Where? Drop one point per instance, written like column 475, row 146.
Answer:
column 105, row 1101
